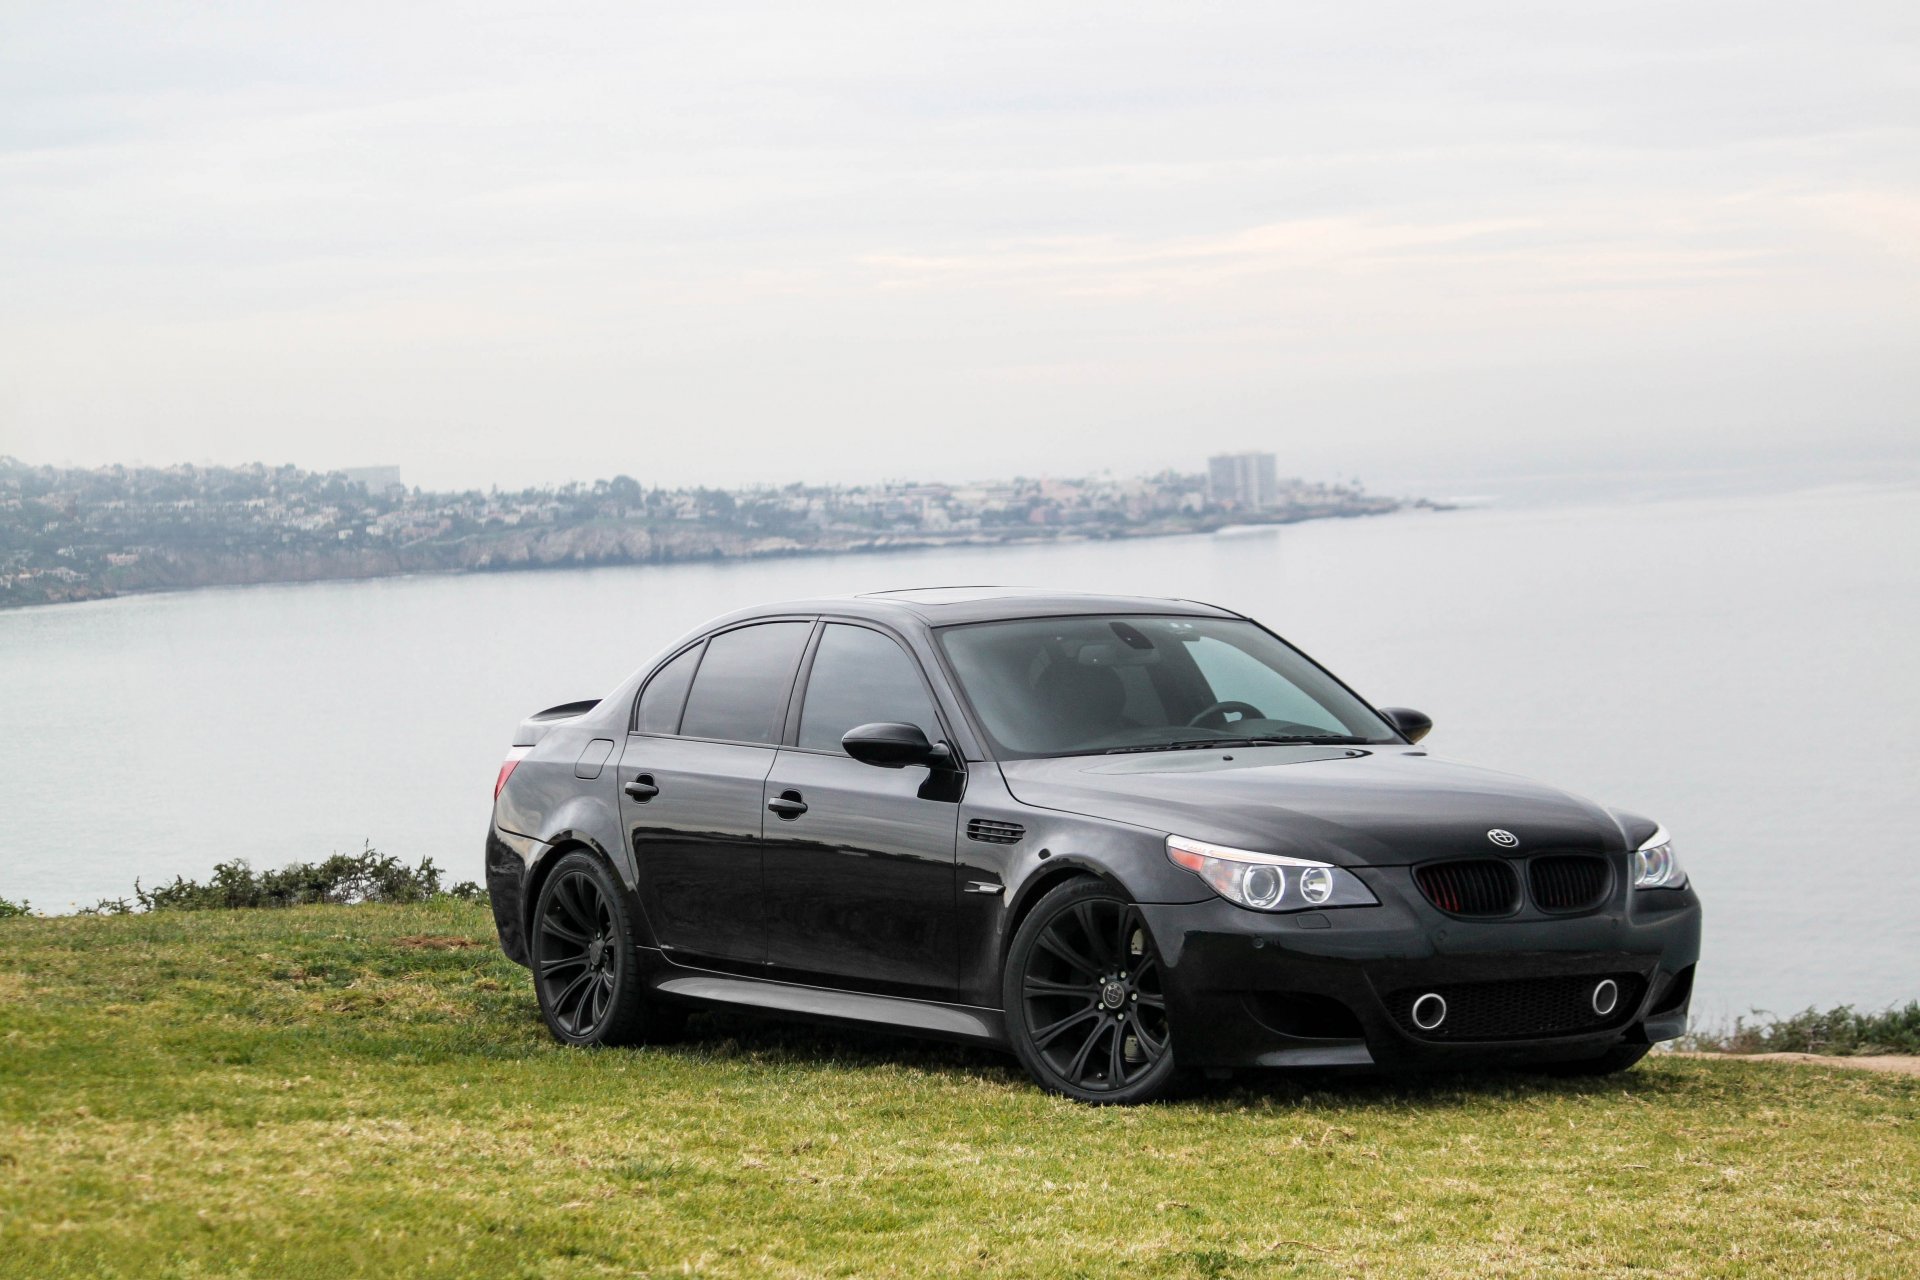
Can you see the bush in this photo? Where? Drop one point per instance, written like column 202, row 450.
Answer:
column 1842, row 1030
column 367, row 876
column 8, row 910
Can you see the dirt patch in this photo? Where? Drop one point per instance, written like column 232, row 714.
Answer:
column 435, row 942
column 1899, row 1064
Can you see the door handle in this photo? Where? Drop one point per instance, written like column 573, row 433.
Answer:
column 788, row 805
column 642, row 788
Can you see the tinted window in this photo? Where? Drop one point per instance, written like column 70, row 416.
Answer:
column 861, row 677
column 740, row 691
column 1235, row 675
column 666, row 693
column 1086, row 684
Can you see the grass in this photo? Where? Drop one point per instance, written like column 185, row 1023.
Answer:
column 329, row 1091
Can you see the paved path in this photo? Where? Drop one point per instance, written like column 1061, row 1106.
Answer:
column 1899, row 1064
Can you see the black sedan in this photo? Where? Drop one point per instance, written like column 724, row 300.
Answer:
column 1116, row 836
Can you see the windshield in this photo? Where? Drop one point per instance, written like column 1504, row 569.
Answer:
column 1071, row 686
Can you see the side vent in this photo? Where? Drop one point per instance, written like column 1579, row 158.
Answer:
column 987, row 831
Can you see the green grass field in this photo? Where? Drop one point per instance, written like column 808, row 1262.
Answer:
column 330, row 1091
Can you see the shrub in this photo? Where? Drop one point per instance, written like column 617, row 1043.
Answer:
column 8, row 910
column 1842, row 1030
column 367, row 876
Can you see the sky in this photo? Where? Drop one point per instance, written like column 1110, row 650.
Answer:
column 1415, row 244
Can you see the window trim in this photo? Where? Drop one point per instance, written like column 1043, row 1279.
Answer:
column 806, row 650
column 797, row 700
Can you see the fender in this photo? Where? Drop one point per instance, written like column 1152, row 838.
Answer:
column 591, row 820
column 565, row 840
column 1044, row 874
column 1635, row 829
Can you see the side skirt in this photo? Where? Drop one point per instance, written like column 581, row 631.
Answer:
column 968, row 1024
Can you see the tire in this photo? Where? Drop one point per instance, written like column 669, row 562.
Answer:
column 586, row 962
column 1085, row 1008
column 1620, row 1058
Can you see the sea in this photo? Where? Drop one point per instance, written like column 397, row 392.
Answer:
column 1745, row 668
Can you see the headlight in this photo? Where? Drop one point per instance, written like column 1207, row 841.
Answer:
column 1267, row 881
column 1655, row 866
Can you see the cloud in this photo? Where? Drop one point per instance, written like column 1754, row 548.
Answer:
column 803, row 230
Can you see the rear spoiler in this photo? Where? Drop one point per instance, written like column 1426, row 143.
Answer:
column 535, row 726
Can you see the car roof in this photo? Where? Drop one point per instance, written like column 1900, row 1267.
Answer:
column 955, row 605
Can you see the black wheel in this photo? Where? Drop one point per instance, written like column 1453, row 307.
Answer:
column 1615, row 1060
column 586, row 968
column 1085, row 1008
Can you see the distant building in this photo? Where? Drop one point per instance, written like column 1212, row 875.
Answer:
column 1244, row 480
column 375, row 480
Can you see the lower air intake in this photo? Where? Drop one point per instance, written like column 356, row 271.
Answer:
column 1526, row 1009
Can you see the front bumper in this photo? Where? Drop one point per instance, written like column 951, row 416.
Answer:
column 1336, row 987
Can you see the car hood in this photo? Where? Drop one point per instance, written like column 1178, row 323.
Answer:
column 1348, row 806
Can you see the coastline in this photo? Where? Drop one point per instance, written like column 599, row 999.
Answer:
column 605, row 545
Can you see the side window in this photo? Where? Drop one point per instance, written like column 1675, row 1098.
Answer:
column 666, row 694
column 1237, row 676
column 740, row 691
column 861, row 677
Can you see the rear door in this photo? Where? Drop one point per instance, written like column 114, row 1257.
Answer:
column 692, row 779
column 860, row 884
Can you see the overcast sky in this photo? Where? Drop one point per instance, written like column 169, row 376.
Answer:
column 730, row 243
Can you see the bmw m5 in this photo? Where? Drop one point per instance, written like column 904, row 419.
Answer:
column 1122, row 838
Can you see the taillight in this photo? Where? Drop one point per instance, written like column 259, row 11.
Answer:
column 514, row 756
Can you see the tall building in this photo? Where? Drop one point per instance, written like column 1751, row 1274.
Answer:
column 375, row 480
column 1244, row 480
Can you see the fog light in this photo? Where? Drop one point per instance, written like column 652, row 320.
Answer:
column 1429, row 1011
column 1316, row 884
column 1606, row 997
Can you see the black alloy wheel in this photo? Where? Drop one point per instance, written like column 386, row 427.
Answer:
column 1085, row 1007
column 586, row 969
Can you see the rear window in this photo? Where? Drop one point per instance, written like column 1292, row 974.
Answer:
column 666, row 695
column 740, row 692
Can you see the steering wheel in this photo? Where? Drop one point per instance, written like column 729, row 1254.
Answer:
column 1246, row 709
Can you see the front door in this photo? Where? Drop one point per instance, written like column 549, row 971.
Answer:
column 860, row 867
column 691, row 781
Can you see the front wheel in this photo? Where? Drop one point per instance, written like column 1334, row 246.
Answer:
column 1086, row 1010
column 586, row 965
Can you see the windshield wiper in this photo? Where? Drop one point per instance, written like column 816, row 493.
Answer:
column 1288, row 740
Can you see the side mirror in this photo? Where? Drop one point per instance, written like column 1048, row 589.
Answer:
column 1412, row 724
column 893, row 746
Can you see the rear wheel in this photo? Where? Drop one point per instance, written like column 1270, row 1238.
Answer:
column 1086, row 1010
column 586, row 964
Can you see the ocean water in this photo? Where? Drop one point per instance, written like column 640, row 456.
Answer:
column 1741, row 668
